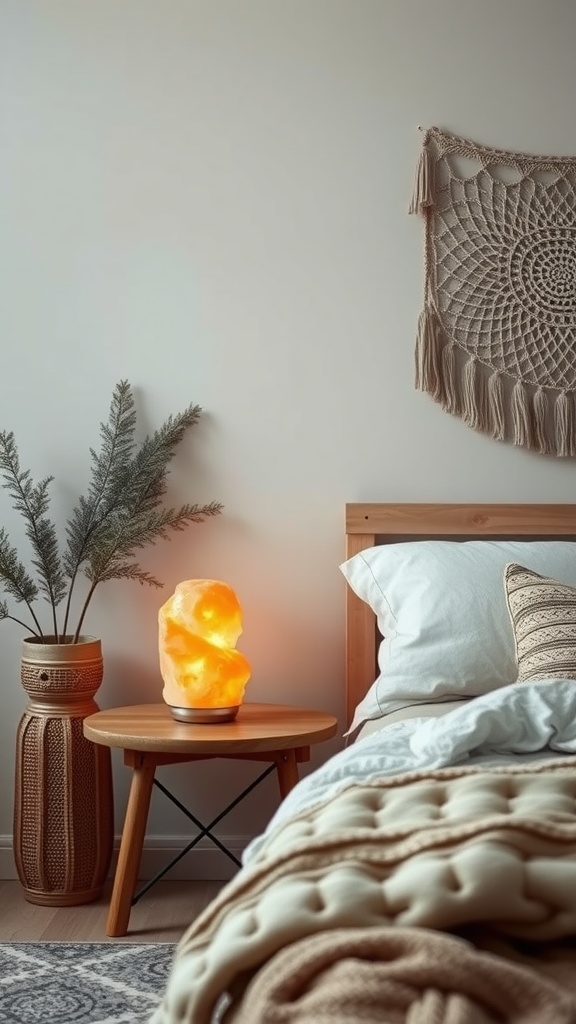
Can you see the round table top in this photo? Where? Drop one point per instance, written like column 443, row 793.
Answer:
column 257, row 727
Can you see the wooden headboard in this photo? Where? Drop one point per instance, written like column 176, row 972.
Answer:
column 368, row 524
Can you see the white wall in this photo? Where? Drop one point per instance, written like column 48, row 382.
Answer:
column 209, row 197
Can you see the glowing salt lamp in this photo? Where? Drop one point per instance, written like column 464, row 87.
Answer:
column 204, row 675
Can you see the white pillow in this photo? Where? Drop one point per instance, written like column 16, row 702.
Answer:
column 442, row 611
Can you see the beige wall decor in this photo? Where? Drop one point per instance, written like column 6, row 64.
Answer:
column 497, row 336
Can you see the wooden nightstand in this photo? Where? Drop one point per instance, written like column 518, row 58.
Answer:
column 149, row 736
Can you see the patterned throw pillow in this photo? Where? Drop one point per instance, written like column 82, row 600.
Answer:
column 543, row 614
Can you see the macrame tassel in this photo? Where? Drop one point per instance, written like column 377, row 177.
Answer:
column 565, row 423
column 423, row 194
column 474, row 411
column 450, row 402
column 496, row 405
column 428, row 354
column 521, row 415
column 541, row 421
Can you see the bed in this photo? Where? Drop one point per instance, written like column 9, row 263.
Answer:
column 426, row 873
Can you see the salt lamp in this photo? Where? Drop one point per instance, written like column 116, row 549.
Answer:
column 204, row 675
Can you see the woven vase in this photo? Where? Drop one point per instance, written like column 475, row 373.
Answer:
column 63, row 805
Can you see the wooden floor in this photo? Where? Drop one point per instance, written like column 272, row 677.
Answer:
column 161, row 915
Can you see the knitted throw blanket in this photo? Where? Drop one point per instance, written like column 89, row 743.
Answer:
column 497, row 336
column 380, row 975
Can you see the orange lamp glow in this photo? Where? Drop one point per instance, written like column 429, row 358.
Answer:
column 204, row 675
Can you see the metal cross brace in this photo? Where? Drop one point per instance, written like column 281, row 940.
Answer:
column 203, row 830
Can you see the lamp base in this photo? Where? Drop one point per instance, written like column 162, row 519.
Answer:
column 204, row 716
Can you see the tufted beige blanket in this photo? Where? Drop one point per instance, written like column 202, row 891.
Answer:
column 441, row 850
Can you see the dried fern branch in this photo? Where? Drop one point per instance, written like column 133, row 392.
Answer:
column 121, row 512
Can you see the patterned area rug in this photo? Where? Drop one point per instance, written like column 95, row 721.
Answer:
column 81, row 982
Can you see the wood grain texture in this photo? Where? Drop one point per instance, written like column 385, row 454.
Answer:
column 370, row 523
column 472, row 519
column 130, row 847
column 258, row 727
column 162, row 916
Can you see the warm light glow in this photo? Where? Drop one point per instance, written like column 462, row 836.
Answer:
column 199, row 627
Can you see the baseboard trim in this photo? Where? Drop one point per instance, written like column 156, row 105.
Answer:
column 204, row 861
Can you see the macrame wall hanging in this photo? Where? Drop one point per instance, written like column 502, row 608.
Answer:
column 497, row 336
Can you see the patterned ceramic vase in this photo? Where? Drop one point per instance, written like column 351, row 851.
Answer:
column 63, row 805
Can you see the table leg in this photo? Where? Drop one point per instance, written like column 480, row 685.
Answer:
column 287, row 769
column 131, row 844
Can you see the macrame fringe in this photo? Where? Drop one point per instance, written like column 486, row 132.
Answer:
column 474, row 411
column 521, row 425
column 423, row 194
column 429, row 355
column 462, row 392
column 540, row 407
column 495, row 400
column 530, row 420
column 450, row 402
column 565, row 423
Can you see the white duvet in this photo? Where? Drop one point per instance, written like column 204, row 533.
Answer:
column 523, row 721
